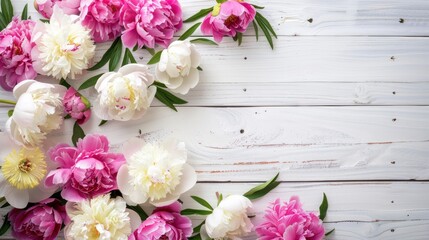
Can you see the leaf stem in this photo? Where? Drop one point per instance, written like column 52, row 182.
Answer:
column 7, row 102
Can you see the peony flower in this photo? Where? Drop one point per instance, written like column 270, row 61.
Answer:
column 86, row 171
column 150, row 22
column 157, row 172
column 77, row 106
column 38, row 111
column 16, row 64
column 124, row 95
column 289, row 221
column 100, row 218
column 46, row 7
column 229, row 220
column 164, row 223
column 227, row 19
column 177, row 68
column 102, row 17
column 22, row 174
column 42, row 221
column 63, row 47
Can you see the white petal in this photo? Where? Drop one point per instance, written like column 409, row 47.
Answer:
column 134, row 219
column 195, row 57
column 162, row 65
column 190, row 82
column 17, row 198
column 165, row 201
column 123, row 180
column 100, row 111
column 189, row 179
column 151, row 91
column 22, row 87
column 40, row 193
column 162, row 76
column 138, row 197
column 132, row 146
column 25, row 110
column 104, row 80
column 175, row 83
column 133, row 68
column 6, row 146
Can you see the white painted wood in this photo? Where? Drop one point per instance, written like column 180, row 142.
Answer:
column 330, row 17
column 305, row 144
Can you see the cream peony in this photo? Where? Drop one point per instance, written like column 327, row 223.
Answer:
column 22, row 174
column 124, row 95
column 63, row 47
column 155, row 172
column 100, row 218
column 177, row 68
column 38, row 111
column 229, row 220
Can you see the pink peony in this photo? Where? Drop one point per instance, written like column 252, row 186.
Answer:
column 86, row 171
column 15, row 53
column 150, row 22
column 288, row 221
column 164, row 223
column 232, row 17
column 102, row 17
column 42, row 221
column 46, row 7
column 77, row 106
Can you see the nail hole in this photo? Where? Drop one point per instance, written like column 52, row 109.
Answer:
column 392, row 201
column 140, row 132
column 394, row 120
column 242, row 131
column 401, row 20
column 244, row 89
column 394, row 93
column 392, row 162
column 392, row 230
column 141, row 58
column 245, row 58
column 310, row 20
column 392, row 58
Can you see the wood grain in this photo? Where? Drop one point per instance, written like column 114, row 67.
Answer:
column 305, row 144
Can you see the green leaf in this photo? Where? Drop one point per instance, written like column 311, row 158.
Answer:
column 44, row 20
column 6, row 204
column 10, row 113
column 323, row 207
column 189, row 32
column 67, row 116
column 255, row 26
column 78, row 133
column 195, row 237
column 221, row 1
column 198, row 15
column 239, row 37
column 150, row 50
column 203, row 41
column 159, row 84
column 143, row 215
column 197, row 229
column 257, row 7
column 190, row 211
column 6, row 224
column 173, row 99
column 7, row 10
column 267, row 24
column 3, row 23
column 116, row 57
column 202, row 202
column 90, row 82
column 329, row 233
column 106, row 57
column 219, row 199
column 155, row 58
column 130, row 56
column 200, row 68
column 24, row 15
column 64, row 83
column 164, row 100
column 266, row 32
column 102, row 123
column 262, row 189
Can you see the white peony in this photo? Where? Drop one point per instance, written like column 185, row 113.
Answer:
column 124, row 95
column 22, row 174
column 63, row 46
column 177, row 68
column 38, row 111
column 155, row 172
column 229, row 220
column 100, row 218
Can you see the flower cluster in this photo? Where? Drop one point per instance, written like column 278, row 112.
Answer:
column 90, row 190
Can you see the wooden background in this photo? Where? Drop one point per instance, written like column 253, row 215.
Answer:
column 340, row 106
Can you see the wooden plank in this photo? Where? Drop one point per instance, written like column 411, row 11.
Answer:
column 359, row 210
column 330, row 17
column 303, row 143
